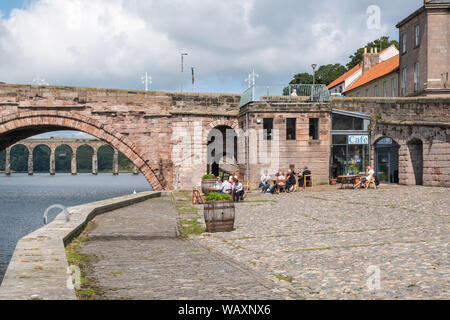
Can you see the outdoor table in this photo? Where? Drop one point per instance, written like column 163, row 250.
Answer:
column 348, row 179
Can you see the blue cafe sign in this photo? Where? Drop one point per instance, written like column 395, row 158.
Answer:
column 358, row 140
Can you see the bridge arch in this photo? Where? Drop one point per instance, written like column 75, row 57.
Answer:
column 19, row 126
column 63, row 157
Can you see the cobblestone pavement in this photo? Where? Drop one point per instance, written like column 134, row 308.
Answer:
column 139, row 256
column 320, row 244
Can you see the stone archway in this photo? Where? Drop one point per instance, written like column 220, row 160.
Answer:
column 19, row 126
column 415, row 148
column 222, row 149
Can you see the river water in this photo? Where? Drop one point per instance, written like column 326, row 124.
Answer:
column 24, row 199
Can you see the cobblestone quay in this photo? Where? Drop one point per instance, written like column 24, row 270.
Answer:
column 321, row 244
column 139, row 256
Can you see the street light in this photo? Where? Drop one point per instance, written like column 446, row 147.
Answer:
column 146, row 80
column 39, row 81
column 182, row 69
column 314, row 66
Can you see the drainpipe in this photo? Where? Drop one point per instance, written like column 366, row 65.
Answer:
column 247, row 148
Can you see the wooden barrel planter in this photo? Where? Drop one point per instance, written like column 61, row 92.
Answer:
column 206, row 185
column 219, row 216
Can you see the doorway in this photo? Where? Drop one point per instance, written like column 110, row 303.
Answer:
column 386, row 160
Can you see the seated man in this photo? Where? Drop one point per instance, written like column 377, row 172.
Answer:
column 306, row 172
column 238, row 191
column 275, row 185
column 225, row 187
column 369, row 174
column 290, row 180
column 265, row 182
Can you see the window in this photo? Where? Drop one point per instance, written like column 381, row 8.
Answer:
column 385, row 89
column 314, row 129
column 340, row 89
column 416, row 76
column 268, row 127
column 291, row 124
column 404, row 43
column 417, row 35
column 367, row 92
column 404, row 82
column 375, row 91
column 341, row 122
column 394, row 87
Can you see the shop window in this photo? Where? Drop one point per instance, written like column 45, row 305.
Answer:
column 268, row 127
column 314, row 129
column 291, row 124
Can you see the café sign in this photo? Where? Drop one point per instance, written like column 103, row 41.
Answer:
column 358, row 140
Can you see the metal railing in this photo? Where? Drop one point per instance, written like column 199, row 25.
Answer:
column 289, row 93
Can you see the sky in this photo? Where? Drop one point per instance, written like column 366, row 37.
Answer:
column 112, row 43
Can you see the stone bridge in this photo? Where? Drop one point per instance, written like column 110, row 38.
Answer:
column 73, row 144
column 138, row 124
column 154, row 129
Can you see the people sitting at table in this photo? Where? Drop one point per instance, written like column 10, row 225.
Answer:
column 306, row 172
column 290, row 182
column 366, row 179
column 265, row 182
column 238, row 191
column 225, row 187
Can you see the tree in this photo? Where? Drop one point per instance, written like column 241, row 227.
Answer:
column 324, row 75
column 330, row 72
column 302, row 78
column 380, row 44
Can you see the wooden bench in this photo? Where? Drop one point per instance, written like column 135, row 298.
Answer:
column 248, row 186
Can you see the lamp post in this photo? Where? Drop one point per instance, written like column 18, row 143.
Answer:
column 39, row 81
column 182, row 68
column 146, row 80
column 314, row 66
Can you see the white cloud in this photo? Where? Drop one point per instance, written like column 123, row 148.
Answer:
column 111, row 43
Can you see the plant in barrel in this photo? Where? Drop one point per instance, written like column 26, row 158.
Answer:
column 219, row 212
column 208, row 181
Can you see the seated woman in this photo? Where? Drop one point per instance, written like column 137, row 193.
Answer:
column 281, row 181
column 218, row 183
column 265, row 182
column 369, row 174
column 238, row 191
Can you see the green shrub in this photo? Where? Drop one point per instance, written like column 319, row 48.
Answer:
column 214, row 196
column 209, row 177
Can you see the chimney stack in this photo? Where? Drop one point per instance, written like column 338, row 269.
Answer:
column 370, row 59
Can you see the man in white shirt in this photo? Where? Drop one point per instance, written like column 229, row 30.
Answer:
column 225, row 187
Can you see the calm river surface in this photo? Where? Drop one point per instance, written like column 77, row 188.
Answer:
column 24, row 199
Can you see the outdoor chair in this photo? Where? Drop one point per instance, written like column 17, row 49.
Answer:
column 308, row 181
column 198, row 197
column 372, row 181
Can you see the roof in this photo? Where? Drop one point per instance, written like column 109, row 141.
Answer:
column 376, row 72
column 344, row 76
